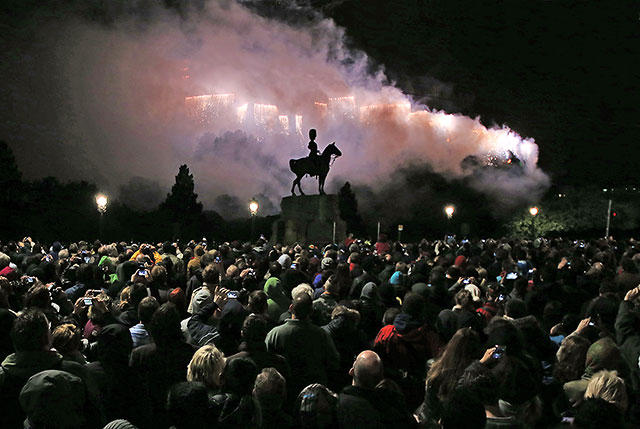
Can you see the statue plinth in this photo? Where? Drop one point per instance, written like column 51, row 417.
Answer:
column 311, row 219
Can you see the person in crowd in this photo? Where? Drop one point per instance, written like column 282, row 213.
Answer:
column 308, row 348
column 140, row 332
column 163, row 362
column 317, row 408
column 270, row 390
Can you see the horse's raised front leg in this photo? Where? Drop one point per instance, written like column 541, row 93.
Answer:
column 293, row 187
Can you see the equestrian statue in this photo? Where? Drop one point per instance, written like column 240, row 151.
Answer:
column 316, row 164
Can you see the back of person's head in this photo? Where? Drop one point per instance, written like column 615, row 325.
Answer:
column 159, row 274
column 414, row 305
column 609, row 386
column 367, row 370
column 462, row 409
column 258, row 302
column 114, row 345
column 302, row 307
column 463, row 298
column 137, row 293
column 515, row 308
column 300, row 289
column 390, row 315
column 596, row 413
column 270, row 389
column 30, row 331
column 146, row 308
column 316, row 407
column 66, row 338
column 211, row 274
column 239, row 376
column 187, row 404
column 275, row 269
column 165, row 324
column 571, row 358
column 254, row 329
column 332, row 286
column 206, row 366
column 54, row 399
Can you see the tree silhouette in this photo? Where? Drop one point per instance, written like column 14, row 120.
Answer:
column 348, row 206
column 181, row 203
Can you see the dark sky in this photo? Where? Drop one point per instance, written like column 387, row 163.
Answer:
column 562, row 72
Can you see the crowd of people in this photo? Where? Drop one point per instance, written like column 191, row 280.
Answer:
column 438, row 334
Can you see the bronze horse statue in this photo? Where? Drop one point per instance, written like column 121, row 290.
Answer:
column 303, row 166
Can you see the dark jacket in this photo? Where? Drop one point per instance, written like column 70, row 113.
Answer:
column 628, row 337
column 160, row 368
column 359, row 408
column 200, row 331
column 18, row 367
column 259, row 355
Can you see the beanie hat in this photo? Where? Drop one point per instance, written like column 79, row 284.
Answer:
column 460, row 261
column 120, row 424
column 327, row 263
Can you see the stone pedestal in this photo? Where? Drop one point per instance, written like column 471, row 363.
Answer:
column 309, row 219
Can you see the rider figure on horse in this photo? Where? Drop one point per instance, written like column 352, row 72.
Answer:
column 313, row 151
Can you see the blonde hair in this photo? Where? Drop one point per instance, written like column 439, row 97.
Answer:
column 206, row 366
column 300, row 289
column 609, row 386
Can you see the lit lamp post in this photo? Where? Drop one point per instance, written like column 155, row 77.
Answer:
column 449, row 211
column 533, row 211
column 253, row 208
column 101, row 201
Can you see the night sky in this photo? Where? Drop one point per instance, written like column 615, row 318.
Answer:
column 564, row 73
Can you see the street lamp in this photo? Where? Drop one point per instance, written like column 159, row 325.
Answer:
column 101, row 201
column 449, row 210
column 253, row 208
column 533, row 211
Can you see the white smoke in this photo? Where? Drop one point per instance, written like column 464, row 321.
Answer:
column 122, row 109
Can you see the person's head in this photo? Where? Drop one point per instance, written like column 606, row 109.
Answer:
column 165, row 324
column 571, row 358
column 609, row 386
column 316, row 407
column 187, row 404
column 30, row 331
column 258, row 302
column 254, row 329
column 275, row 269
column 137, row 293
column 390, row 315
column 114, row 345
column 515, row 308
column 312, row 134
column 464, row 299
column 596, row 413
column 462, row 409
column 463, row 348
column 331, row 286
column 300, row 289
column 206, row 366
column 211, row 274
column 239, row 376
column 66, row 338
column 302, row 307
column 367, row 370
column 54, row 399
column 270, row 389
column 159, row 274
column 146, row 308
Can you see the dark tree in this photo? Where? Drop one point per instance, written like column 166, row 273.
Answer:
column 182, row 203
column 348, row 206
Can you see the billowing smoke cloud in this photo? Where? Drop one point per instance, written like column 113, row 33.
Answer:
column 233, row 94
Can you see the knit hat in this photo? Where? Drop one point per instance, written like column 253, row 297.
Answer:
column 474, row 290
column 54, row 398
column 328, row 263
column 460, row 261
column 120, row 424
